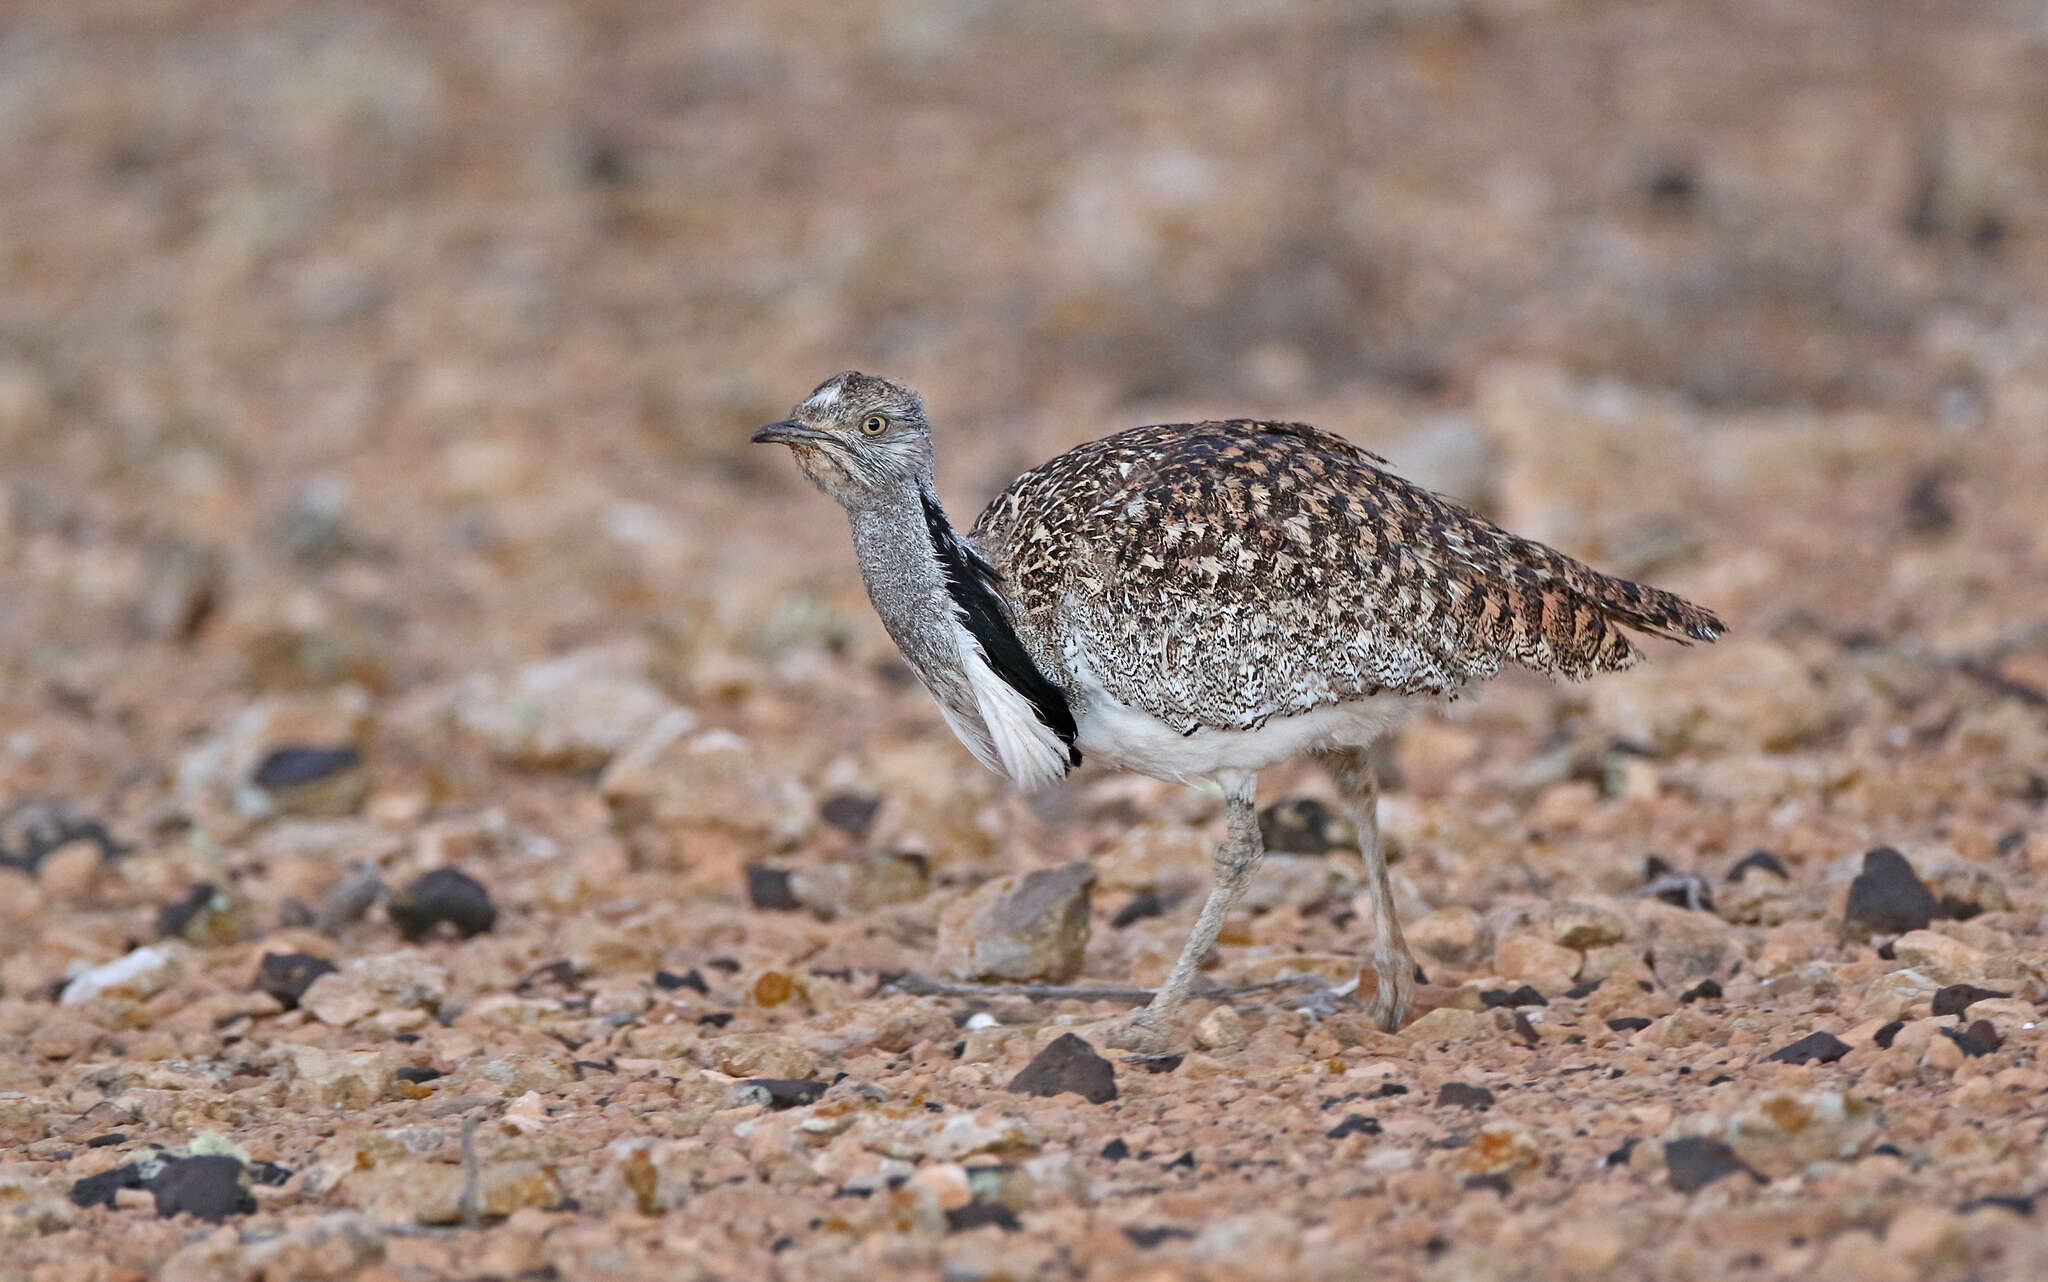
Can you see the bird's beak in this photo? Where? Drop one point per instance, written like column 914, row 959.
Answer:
column 787, row 432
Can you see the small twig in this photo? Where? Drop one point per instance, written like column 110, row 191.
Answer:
column 470, row 1178
column 923, row 986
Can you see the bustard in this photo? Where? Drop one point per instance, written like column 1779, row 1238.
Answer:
column 1198, row 601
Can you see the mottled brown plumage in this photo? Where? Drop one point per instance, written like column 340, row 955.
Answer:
column 1220, row 574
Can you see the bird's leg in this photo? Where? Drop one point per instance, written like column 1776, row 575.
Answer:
column 1149, row 1030
column 1392, row 964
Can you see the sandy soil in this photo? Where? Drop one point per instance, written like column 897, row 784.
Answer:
column 374, row 383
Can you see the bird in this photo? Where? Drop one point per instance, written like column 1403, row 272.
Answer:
column 1198, row 602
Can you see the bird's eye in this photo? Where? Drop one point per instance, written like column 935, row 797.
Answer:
column 874, row 425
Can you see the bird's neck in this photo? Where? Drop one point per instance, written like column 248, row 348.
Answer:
column 906, row 580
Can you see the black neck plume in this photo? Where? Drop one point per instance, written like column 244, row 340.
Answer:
column 971, row 582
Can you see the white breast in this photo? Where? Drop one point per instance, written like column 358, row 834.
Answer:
column 1116, row 734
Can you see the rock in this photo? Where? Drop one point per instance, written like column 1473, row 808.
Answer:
column 1980, row 1038
column 1067, row 1064
column 330, row 1079
column 1957, row 998
column 433, row 1192
column 1583, row 926
column 1304, row 826
column 1896, row 994
column 772, row 889
column 1945, row 960
column 1686, row 947
column 1589, row 1246
column 1221, row 1029
column 349, row 899
column 367, row 985
column 333, row 1248
column 1526, row 995
column 64, row 1036
column 759, row 1055
column 858, row 885
column 1744, row 695
column 672, row 785
column 312, row 781
column 1449, row 1024
column 1814, row 1048
column 1758, row 862
column 1531, row 959
column 1354, row 1124
column 1693, row 1163
column 1782, row 1132
column 99, row 1190
column 1500, row 1148
column 849, row 813
column 1457, row 936
column 208, row 914
column 1464, row 1095
column 778, row 1093
column 209, row 1186
column 1019, row 928
column 287, row 976
column 442, row 895
column 1887, row 897
column 573, row 713
column 141, row 974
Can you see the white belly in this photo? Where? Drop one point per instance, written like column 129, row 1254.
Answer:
column 1116, row 734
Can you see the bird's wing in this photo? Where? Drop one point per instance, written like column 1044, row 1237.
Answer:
column 1220, row 574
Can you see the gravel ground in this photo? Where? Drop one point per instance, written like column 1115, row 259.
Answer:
column 462, row 820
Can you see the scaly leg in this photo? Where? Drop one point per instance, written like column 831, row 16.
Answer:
column 1149, row 1031
column 1392, row 964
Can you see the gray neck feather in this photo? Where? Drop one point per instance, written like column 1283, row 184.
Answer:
column 908, row 587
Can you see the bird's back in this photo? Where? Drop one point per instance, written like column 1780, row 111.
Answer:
column 1220, row 574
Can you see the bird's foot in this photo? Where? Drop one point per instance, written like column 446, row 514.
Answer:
column 1393, row 988
column 1147, row 1033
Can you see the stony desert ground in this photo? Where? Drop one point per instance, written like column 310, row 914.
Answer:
column 461, row 819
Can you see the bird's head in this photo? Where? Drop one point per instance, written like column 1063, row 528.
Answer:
column 859, row 438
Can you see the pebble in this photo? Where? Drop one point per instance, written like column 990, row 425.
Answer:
column 1949, row 962
column 780, row 1092
column 1221, row 1029
column 1449, row 1024
column 1034, row 926
column 572, row 713
column 1531, row 959
column 1758, row 861
column 287, row 976
column 1887, row 897
column 1693, row 1163
column 365, row 986
column 1782, row 1132
column 1457, row 936
column 329, row 1079
column 140, row 974
column 442, row 895
column 312, row 781
column 1464, row 1095
column 1583, row 926
column 1304, row 826
column 1814, row 1048
column 1067, row 1064
column 1979, row 1039
column 209, row 1186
